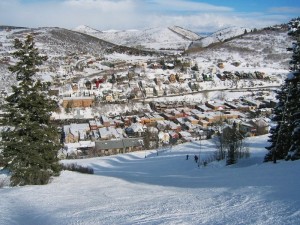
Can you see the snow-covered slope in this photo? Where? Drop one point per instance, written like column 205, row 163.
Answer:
column 56, row 43
column 263, row 51
column 221, row 35
column 173, row 38
column 163, row 189
column 86, row 29
column 190, row 35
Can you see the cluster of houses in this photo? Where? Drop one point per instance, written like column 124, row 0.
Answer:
column 167, row 123
column 141, row 80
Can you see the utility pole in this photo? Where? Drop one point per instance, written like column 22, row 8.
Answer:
column 199, row 153
column 221, row 135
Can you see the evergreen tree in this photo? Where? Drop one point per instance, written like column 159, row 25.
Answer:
column 294, row 80
column 30, row 144
column 285, row 137
column 280, row 134
column 146, row 139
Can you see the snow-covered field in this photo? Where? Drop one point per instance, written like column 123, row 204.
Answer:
column 163, row 189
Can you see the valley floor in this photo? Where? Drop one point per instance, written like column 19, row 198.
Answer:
column 163, row 189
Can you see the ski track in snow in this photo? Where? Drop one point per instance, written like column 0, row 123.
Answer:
column 163, row 189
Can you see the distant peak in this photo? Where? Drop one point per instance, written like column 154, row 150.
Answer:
column 85, row 29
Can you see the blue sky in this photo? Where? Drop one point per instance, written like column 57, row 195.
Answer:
column 197, row 15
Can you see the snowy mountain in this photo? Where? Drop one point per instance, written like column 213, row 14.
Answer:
column 163, row 189
column 86, row 29
column 57, row 44
column 221, row 36
column 172, row 38
column 264, row 50
column 185, row 33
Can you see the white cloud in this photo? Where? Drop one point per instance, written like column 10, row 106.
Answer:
column 209, row 22
column 180, row 5
column 285, row 10
column 130, row 14
column 102, row 5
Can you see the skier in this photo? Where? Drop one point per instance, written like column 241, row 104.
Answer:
column 187, row 157
column 196, row 158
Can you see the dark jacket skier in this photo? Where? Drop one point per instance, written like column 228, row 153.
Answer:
column 196, row 158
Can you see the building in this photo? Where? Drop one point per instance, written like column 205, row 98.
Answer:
column 108, row 147
column 76, row 132
column 78, row 102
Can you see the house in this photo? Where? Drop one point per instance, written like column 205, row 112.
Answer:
column 95, row 135
column 145, row 120
column 168, row 125
column 174, row 136
column 107, row 133
column 215, row 105
column 220, row 65
column 155, row 66
column 158, row 90
column 173, row 126
column 230, row 115
column 149, row 92
column 118, row 122
column 109, row 98
column 203, row 108
column 108, row 147
column 76, row 132
column 88, row 84
column 172, row 78
column 251, row 102
column 169, row 65
column 168, row 116
column 181, row 121
column 153, row 131
column 126, row 120
column 204, row 123
column 93, row 125
column 76, row 149
column 192, row 120
column 176, row 113
column 261, row 126
column 195, row 111
column 78, row 102
column 231, row 104
column 189, row 126
column 138, row 129
column 105, row 121
column 185, row 136
column 161, row 125
column 164, row 137
column 246, row 129
column 186, row 111
column 154, row 117
column 212, row 117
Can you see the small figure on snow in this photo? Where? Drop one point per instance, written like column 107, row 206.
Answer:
column 187, row 157
column 196, row 158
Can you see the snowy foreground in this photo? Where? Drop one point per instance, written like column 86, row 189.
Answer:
column 163, row 189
